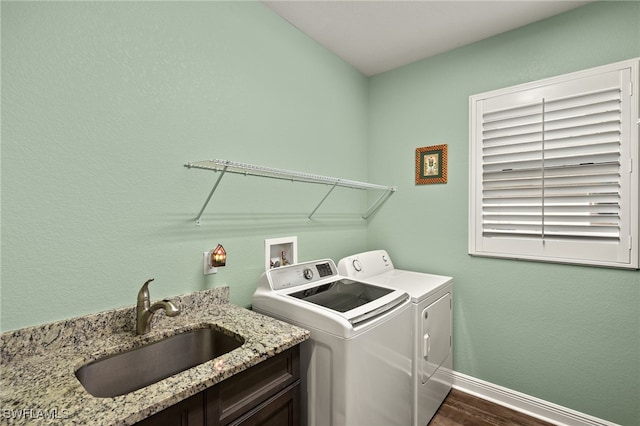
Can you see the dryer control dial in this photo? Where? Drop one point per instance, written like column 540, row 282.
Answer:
column 308, row 273
column 357, row 265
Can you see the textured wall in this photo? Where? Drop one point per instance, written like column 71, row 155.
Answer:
column 566, row 334
column 103, row 103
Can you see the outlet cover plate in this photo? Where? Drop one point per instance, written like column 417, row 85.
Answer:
column 207, row 269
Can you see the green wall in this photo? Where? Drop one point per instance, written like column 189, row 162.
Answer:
column 566, row 334
column 103, row 103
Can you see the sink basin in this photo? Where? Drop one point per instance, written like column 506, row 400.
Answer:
column 134, row 369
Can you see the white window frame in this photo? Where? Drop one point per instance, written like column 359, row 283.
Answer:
column 608, row 239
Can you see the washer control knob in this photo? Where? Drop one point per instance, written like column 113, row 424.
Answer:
column 384, row 258
column 357, row 265
column 308, row 273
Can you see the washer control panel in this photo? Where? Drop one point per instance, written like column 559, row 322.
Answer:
column 308, row 273
column 301, row 274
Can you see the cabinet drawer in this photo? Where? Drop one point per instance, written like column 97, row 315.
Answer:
column 244, row 391
column 283, row 409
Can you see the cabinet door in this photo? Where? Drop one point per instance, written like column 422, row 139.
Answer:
column 189, row 412
column 281, row 410
column 246, row 390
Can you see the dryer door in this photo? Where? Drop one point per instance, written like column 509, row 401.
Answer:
column 436, row 336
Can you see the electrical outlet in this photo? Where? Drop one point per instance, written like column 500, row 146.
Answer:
column 206, row 264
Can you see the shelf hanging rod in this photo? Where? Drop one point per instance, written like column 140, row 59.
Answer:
column 262, row 171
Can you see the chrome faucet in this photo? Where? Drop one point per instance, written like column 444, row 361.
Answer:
column 145, row 311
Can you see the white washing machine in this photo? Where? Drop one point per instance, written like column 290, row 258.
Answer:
column 356, row 367
column 431, row 331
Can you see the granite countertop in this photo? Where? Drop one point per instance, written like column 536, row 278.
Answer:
column 38, row 364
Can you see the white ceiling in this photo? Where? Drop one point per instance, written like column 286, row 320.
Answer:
column 377, row 36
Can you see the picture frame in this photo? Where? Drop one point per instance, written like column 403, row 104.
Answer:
column 431, row 164
column 280, row 252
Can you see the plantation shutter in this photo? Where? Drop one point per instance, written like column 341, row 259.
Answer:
column 551, row 172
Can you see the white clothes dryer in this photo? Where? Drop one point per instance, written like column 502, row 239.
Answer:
column 356, row 367
column 431, row 331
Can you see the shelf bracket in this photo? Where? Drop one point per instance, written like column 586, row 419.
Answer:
column 215, row 186
column 376, row 205
column 322, row 201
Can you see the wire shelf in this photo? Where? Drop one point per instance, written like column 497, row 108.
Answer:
column 226, row 166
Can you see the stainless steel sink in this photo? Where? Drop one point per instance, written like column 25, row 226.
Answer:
column 134, row 369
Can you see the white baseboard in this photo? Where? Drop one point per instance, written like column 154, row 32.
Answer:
column 526, row 404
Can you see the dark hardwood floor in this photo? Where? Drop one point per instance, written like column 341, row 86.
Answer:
column 462, row 409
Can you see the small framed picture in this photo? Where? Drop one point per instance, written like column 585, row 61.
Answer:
column 431, row 164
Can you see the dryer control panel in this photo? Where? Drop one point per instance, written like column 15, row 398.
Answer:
column 365, row 265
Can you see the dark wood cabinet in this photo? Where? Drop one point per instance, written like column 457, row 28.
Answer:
column 189, row 412
column 267, row 394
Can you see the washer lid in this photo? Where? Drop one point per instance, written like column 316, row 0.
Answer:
column 342, row 295
column 316, row 286
column 356, row 301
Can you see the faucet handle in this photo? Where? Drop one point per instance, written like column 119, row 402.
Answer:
column 143, row 294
